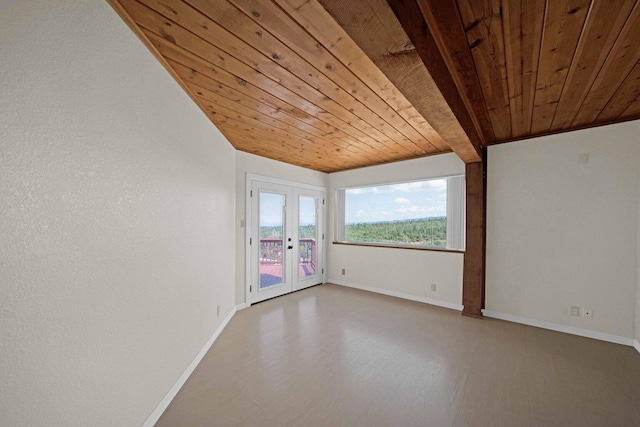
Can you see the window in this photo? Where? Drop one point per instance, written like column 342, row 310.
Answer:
column 426, row 213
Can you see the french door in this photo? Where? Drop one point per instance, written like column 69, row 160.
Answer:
column 286, row 239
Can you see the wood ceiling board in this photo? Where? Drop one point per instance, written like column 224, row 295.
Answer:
column 299, row 147
column 228, row 26
column 625, row 96
column 320, row 24
column 225, row 85
column 585, row 65
column 622, row 58
column 350, row 83
column 563, row 25
column 263, row 145
column 272, row 149
column 413, row 23
column 284, row 126
column 248, row 79
column 373, row 26
column 482, row 21
column 237, row 99
column 237, row 111
column 522, row 28
column 377, row 127
column 165, row 28
column 633, row 112
column 295, row 144
column 602, row 27
column 234, row 53
column 299, row 141
column 281, row 26
column 303, row 89
column 169, row 30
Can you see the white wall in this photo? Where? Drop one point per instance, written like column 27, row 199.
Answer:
column 404, row 272
column 249, row 163
column 117, row 201
column 637, row 335
column 561, row 233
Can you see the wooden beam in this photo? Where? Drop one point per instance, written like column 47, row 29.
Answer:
column 372, row 28
column 442, row 67
column 410, row 16
column 443, row 21
column 473, row 276
column 318, row 19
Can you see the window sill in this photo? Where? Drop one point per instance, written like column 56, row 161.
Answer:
column 399, row 246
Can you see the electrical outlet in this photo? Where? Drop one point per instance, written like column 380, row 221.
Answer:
column 343, row 271
column 218, row 310
column 433, row 287
column 575, row 311
column 587, row 313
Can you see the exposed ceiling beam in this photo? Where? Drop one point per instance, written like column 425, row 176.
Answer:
column 339, row 84
column 372, row 27
column 429, row 29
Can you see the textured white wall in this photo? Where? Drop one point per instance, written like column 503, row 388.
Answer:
column 403, row 271
column 249, row 163
column 117, row 205
column 637, row 335
column 561, row 233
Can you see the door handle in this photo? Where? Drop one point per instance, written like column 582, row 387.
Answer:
column 289, row 247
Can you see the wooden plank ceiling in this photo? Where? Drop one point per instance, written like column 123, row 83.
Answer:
column 333, row 85
column 535, row 67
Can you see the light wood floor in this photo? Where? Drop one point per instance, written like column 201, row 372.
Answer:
column 333, row 356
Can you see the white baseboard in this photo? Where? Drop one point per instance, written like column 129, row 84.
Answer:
column 508, row 317
column 560, row 328
column 410, row 297
column 241, row 306
column 166, row 400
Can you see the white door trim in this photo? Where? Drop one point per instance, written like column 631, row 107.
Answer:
column 250, row 178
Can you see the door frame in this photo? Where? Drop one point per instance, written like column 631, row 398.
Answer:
column 250, row 179
column 286, row 285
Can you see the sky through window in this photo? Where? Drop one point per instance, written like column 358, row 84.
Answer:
column 396, row 202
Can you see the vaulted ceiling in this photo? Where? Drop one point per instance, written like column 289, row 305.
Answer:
column 338, row 84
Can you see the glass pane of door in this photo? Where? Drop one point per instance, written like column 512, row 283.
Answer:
column 271, row 239
column 307, row 236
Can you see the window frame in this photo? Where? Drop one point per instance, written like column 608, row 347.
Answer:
column 340, row 212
